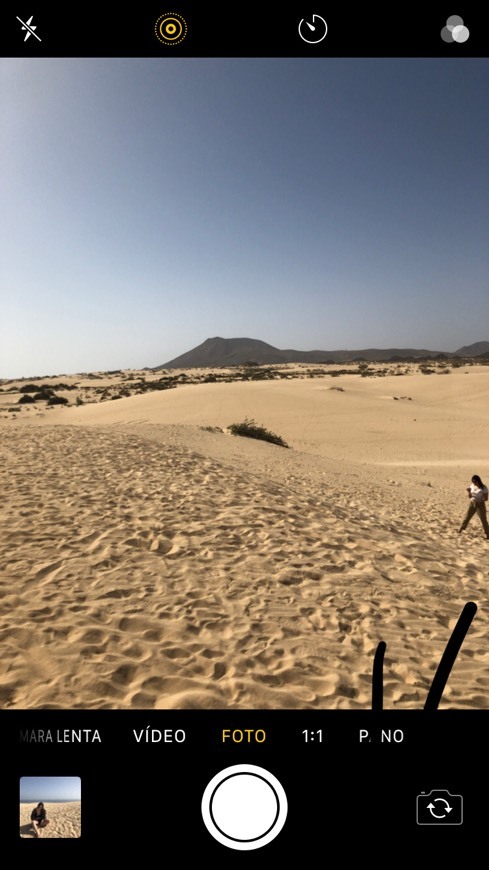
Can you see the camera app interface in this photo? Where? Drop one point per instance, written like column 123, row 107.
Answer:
column 244, row 369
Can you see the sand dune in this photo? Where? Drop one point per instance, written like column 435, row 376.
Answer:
column 152, row 563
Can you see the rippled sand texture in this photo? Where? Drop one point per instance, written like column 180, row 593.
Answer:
column 64, row 820
column 157, row 565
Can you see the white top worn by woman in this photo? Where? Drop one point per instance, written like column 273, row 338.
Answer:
column 477, row 494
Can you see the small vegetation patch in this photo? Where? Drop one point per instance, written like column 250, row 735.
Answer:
column 43, row 395
column 249, row 429
column 29, row 388
column 57, row 400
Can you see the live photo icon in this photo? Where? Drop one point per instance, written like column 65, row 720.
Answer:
column 439, row 807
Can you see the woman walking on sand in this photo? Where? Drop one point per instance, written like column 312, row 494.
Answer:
column 478, row 495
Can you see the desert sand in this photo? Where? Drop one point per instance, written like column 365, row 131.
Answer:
column 64, row 820
column 150, row 559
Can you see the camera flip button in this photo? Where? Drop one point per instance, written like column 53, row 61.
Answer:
column 439, row 807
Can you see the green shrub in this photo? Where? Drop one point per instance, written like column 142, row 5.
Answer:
column 29, row 388
column 57, row 400
column 249, row 429
column 43, row 395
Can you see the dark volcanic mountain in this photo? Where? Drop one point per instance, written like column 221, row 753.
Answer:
column 217, row 352
column 227, row 352
column 479, row 348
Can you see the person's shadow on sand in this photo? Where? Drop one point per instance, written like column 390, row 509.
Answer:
column 26, row 831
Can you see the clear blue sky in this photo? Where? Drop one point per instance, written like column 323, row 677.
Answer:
column 149, row 204
column 50, row 788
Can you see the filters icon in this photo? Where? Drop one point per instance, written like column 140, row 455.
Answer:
column 455, row 30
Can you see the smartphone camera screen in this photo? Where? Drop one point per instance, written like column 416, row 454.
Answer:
column 244, row 369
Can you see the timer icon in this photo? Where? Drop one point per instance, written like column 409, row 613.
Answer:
column 314, row 30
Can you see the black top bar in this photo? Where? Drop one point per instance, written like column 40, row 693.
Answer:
column 243, row 30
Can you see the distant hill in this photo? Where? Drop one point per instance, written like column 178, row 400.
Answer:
column 216, row 352
column 478, row 349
